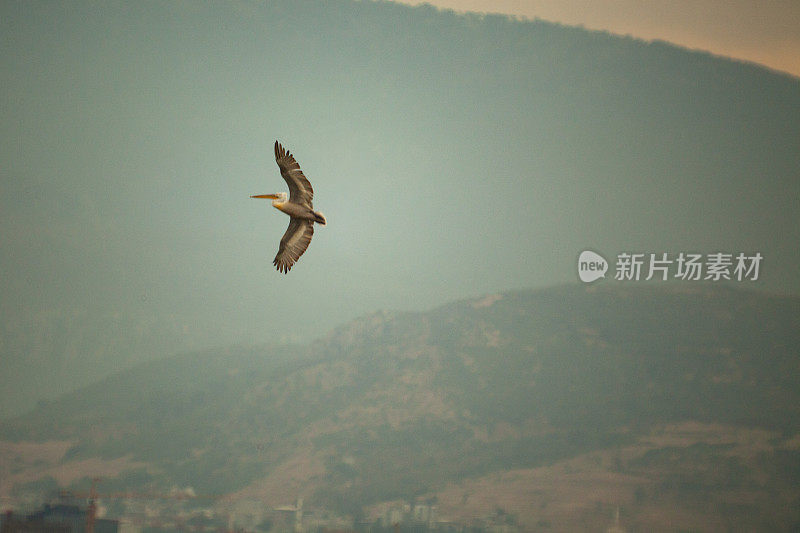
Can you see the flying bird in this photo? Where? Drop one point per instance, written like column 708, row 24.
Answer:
column 299, row 207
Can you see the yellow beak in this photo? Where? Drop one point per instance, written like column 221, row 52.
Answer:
column 270, row 196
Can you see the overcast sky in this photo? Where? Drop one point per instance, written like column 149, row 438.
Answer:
column 766, row 32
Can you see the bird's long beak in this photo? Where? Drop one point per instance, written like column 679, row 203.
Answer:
column 270, row 196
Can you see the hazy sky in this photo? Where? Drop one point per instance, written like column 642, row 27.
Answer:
column 764, row 32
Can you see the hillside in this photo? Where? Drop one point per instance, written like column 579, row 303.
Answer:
column 677, row 402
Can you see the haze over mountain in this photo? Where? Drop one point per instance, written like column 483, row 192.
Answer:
column 677, row 402
column 767, row 33
column 453, row 155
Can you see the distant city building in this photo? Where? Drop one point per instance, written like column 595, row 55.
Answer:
column 418, row 514
column 57, row 519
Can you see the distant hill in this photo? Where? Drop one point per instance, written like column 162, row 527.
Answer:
column 678, row 402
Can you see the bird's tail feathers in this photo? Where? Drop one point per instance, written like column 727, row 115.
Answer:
column 319, row 218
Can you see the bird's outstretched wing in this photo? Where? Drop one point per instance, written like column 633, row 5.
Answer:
column 293, row 244
column 300, row 190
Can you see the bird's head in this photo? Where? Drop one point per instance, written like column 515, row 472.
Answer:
column 278, row 197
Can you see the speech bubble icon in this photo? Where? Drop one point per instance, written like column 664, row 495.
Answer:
column 591, row 266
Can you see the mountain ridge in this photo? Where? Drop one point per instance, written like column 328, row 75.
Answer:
column 606, row 383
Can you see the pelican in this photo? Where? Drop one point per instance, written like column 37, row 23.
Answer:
column 299, row 208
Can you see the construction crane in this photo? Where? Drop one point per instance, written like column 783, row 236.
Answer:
column 297, row 509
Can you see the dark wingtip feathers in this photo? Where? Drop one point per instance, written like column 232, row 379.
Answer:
column 283, row 268
column 281, row 152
